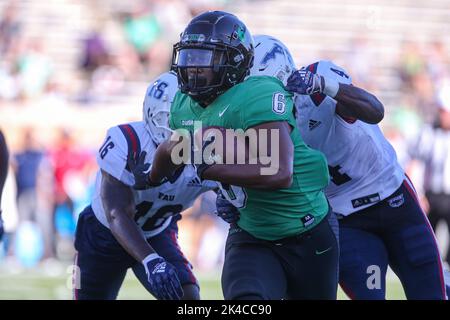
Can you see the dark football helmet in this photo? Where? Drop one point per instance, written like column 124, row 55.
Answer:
column 215, row 52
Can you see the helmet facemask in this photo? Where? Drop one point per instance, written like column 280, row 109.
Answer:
column 158, row 124
column 204, row 72
column 215, row 52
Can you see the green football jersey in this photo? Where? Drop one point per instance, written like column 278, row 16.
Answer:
column 266, row 214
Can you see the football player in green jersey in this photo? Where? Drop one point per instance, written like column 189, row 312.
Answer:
column 282, row 247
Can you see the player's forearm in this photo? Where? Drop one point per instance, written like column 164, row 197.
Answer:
column 119, row 206
column 163, row 166
column 128, row 234
column 357, row 103
column 249, row 176
column 272, row 172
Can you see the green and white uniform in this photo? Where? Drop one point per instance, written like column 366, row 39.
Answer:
column 265, row 214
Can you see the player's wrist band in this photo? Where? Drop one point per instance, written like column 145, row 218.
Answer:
column 150, row 257
column 331, row 87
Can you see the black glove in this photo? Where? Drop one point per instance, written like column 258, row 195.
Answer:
column 304, row 81
column 163, row 278
column 140, row 171
column 225, row 209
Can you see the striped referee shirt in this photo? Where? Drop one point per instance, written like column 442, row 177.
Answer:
column 433, row 149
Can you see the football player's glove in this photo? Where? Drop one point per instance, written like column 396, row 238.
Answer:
column 140, row 171
column 225, row 209
column 306, row 82
column 163, row 278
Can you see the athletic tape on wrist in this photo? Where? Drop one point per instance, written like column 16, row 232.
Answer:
column 331, row 87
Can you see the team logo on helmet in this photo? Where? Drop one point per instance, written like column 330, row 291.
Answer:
column 193, row 37
column 271, row 55
column 239, row 34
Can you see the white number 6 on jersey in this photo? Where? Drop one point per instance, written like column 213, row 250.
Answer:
column 278, row 103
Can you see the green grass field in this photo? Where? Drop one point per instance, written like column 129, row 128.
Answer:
column 35, row 285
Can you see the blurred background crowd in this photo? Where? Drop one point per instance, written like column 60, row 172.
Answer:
column 69, row 69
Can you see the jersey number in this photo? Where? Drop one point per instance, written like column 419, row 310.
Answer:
column 158, row 90
column 337, row 177
column 278, row 103
column 158, row 218
column 105, row 147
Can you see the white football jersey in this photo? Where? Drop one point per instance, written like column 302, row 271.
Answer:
column 363, row 165
column 155, row 206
